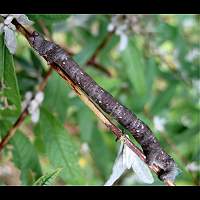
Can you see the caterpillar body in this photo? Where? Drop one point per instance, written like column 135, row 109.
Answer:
column 140, row 131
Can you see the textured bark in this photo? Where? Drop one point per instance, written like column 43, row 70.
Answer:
column 140, row 131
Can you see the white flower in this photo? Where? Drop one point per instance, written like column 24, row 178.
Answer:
column 123, row 42
column 188, row 23
column 127, row 159
column 193, row 167
column 159, row 123
column 27, row 99
column 10, row 39
column 9, row 29
column 121, row 27
column 193, row 54
column 85, row 148
column 111, row 27
column 33, row 105
column 77, row 20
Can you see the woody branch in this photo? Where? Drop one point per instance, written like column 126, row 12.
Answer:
column 115, row 130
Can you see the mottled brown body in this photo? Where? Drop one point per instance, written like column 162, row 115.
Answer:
column 140, row 131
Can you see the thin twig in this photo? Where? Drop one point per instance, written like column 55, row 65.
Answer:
column 13, row 129
column 98, row 66
column 23, row 115
column 45, row 29
column 102, row 45
column 92, row 61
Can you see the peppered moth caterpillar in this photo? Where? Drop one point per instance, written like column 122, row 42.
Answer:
column 140, row 131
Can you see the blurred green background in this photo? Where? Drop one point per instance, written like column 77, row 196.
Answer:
column 151, row 64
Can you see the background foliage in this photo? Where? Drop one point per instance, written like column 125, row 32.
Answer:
column 157, row 76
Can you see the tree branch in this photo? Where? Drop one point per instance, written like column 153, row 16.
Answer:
column 117, row 132
column 43, row 84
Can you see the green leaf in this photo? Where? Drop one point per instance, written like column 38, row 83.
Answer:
column 105, row 54
column 163, row 99
column 9, row 80
column 60, row 148
column 92, row 43
column 56, row 96
column 25, row 158
column 134, row 67
column 151, row 71
column 101, row 154
column 37, row 64
column 86, row 123
column 48, row 178
column 50, row 18
column 1, row 57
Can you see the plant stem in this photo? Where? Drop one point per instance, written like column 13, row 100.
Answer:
column 100, row 114
column 23, row 114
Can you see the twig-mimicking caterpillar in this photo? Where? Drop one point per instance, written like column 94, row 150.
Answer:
column 140, row 131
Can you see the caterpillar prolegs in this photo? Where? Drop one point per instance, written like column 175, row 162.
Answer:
column 140, row 131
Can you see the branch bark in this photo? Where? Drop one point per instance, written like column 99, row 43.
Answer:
column 87, row 100
column 43, row 84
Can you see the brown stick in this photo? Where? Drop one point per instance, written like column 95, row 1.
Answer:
column 13, row 129
column 99, row 114
column 23, row 115
column 43, row 84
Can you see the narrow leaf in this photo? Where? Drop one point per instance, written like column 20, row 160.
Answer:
column 163, row 99
column 134, row 67
column 1, row 57
column 117, row 171
column 9, row 79
column 141, row 169
column 48, row 178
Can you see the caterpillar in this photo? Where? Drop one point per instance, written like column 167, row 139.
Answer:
column 154, row 153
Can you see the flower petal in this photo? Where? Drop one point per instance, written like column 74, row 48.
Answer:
column 23, row 19
column 4, row 15
column 117, row 171
column 128, row 158
column 123, row 42
column 35, row 116
column 11, row 26
column 33, row 106
column 118, row 167
column 39, row 97
column 1, row 27
column 10, row 40
column 141, row 169
column 8, row 20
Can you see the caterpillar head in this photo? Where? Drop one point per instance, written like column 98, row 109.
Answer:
column 36, row 40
